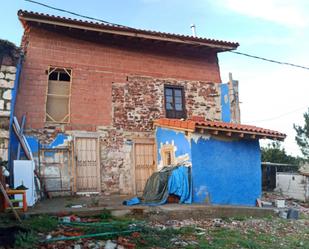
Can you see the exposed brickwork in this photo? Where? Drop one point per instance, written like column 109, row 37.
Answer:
column 95, row 67
column 117, row 91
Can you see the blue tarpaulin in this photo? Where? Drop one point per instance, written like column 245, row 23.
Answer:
column 156, row 192
column 179, row 184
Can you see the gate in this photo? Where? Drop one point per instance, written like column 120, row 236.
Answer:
column 87, row 164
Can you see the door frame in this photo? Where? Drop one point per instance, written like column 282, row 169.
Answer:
column 142, row 140
column 81, row 135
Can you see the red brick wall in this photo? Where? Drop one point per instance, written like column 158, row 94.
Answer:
column 95, row 67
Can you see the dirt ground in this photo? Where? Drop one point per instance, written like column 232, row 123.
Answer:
column 136, row 231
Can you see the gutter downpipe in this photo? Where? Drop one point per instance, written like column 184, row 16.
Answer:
column 14, row 95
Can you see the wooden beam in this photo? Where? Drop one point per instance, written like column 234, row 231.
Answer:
column 229, row 134
column 279, row 137
column 242, row 135
column 215, row 132
column 253, row 136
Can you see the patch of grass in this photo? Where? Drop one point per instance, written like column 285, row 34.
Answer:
column 187, row 230
column 26, row 240
column 106, row 214
column 241, row 217
column 43, row 223
column 154, row 238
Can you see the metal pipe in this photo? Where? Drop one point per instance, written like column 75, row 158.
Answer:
column 193, row 28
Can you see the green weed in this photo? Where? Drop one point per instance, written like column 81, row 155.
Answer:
column 43, row 223
column 26, row 240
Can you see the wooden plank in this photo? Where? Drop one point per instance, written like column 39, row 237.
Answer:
column 279, row 137
column 9, row 202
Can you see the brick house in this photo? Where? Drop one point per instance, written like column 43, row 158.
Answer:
column 91, row 91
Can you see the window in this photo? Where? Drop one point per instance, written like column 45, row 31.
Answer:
column 174, row 102
column 167, row 153
column 58, row 95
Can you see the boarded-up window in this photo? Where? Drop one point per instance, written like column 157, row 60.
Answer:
column 58, row 95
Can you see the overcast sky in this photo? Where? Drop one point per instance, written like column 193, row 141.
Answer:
column 273, row 96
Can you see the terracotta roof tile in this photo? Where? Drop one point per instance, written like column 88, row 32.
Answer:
column 194, row 125
column 225, row 45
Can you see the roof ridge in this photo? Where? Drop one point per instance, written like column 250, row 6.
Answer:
column 21, row 13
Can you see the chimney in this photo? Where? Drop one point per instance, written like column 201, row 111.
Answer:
column 193, row 30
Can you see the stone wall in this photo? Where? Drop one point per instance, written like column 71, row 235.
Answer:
column 137, row 103
column 7, row 77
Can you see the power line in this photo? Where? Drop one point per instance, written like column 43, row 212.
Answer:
column 76, row 14
column 270, row 60
column 281, row 115
column 123, row 26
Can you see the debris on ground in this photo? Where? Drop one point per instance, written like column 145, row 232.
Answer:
column 106, row 231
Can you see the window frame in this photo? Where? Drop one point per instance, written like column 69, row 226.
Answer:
column 174, row 111
column 69, row 71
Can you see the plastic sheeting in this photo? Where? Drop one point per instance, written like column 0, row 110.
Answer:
column 168, row 181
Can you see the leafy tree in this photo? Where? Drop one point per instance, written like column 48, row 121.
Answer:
column 274, row 153
column 302, row 135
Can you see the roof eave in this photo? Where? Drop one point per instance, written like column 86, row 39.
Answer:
column 69, row 23
column 218, row 131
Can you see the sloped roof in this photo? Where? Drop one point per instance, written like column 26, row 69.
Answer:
column 221, row 128
column 219, row 45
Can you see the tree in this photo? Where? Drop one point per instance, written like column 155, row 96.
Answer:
column 302, row 135
column 274, row 153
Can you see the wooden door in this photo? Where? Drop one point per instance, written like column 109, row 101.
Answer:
column 87, row 164
column 144, row 163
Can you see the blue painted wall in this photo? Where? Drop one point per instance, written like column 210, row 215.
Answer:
column 167, row 136
column 225, row 103
column 34, row 143
column 226, row 172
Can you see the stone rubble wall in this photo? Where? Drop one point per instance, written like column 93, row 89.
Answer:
column 7, row 77
column 136, row 104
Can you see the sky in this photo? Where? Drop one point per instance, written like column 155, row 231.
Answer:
column 272, row 96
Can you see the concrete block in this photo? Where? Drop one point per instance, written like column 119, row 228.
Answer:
column 1, row 104
column 5, row 113
column 1, row 75
column 7, row 95
column 6, row 83
column 10, row 76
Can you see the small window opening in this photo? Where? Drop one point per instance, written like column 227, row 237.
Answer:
column 168, row 158
column 174, row 102
column 58, row 95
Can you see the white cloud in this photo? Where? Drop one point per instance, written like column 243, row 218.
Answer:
column 284, row 12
